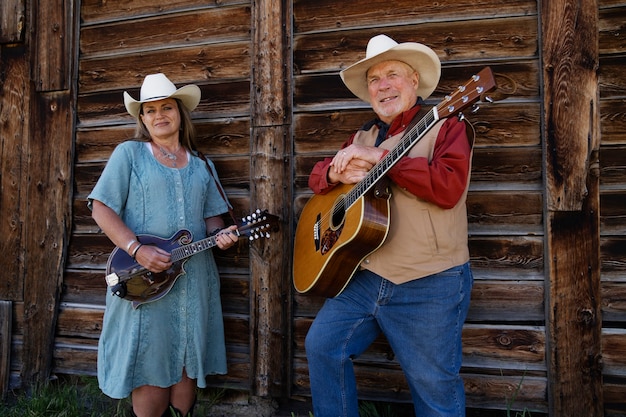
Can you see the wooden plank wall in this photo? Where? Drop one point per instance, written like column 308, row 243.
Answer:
column 209, row 43
column 505, row 336
column 504, row 339
column 192, row 41
column 612, row 47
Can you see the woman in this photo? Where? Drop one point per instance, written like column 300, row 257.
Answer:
column 157, row 184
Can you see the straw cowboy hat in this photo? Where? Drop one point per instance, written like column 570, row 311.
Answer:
column 382, row 48
column 158, row 87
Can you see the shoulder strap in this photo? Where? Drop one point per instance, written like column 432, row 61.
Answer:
column 219, row 186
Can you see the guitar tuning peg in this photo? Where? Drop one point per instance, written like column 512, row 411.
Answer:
column 475, row 108
column 488, row 99
column 461, row 117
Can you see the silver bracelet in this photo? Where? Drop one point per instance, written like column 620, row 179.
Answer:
column 136, row 249
column 130, row 244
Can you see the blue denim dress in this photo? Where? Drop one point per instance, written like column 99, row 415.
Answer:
column 152, row 344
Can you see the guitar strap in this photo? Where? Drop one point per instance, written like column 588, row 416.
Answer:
column 382, row 187
column 219, row 186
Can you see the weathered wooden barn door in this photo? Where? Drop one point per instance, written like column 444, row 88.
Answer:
column 273, row 104
column 208, row 44
column 504, row 338
column 36, row 125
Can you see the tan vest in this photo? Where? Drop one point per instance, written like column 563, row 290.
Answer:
column 429, row 239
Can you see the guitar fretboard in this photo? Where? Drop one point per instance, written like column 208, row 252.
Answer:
column 397, row 152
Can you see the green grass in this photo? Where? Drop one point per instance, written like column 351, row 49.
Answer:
column 76, row 397
column 369, row 409
column 81, row 397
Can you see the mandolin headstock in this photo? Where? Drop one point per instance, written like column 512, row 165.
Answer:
column 258, row 224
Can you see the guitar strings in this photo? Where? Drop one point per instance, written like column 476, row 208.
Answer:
column 450, row 102
column 379, row 170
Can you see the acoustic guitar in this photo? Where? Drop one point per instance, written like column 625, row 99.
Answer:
column 131, row 281
column 337, row 230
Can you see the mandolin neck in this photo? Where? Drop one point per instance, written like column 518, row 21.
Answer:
column 186, row 251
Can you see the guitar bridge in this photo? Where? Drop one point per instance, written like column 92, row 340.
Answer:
column 316, row 232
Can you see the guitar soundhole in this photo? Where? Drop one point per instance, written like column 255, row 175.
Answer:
column 339, row 214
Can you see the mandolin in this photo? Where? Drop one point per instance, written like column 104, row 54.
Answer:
column 131, row 281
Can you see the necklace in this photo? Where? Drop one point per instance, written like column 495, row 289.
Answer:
column 172, row 157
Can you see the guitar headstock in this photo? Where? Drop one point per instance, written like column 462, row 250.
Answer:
column 467, row 94
column 258, row 224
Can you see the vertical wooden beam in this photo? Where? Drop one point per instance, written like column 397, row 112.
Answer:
column 53, row 37
column 47, row 214
column 12, row 20
column 570, row 62
column 6, row 321
column 271, row 188
column 48, row 185
column 14, row 112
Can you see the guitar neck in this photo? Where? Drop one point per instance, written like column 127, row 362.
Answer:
column 454, row 103
column 383, row 166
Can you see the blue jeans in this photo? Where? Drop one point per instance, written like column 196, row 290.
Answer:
column 421, row 319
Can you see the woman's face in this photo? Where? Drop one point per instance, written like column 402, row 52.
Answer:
column 161, row 118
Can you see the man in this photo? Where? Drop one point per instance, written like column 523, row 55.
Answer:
column 415, row 288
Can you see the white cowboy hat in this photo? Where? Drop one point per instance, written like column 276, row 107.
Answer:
column 158, row 87
column 382, row 48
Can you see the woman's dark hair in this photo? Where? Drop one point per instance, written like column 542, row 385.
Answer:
column 187, row 129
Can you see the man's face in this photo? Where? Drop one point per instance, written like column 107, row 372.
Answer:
column 392, row 86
